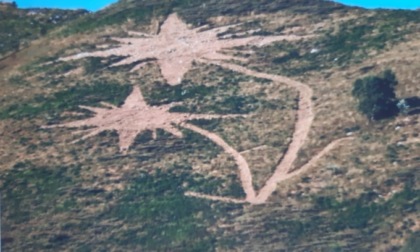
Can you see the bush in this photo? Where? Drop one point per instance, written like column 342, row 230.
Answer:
column 376, row 95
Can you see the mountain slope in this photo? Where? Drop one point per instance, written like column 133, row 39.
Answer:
column 274, row 81
column 20, row 26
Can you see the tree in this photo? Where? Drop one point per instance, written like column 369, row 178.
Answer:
column 376, row 95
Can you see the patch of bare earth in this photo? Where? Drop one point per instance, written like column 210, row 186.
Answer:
column 177, row 46
column 133, row 117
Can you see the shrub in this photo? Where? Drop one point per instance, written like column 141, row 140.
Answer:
column 376, row 95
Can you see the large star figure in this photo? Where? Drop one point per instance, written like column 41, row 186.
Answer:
column 133, row 117
column 177, row 46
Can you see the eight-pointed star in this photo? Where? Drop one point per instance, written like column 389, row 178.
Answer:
column 177, row 46
column 133, row 117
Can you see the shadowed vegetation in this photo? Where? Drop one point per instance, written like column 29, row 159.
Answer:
column 18, row 27
column 69, row 99
column 376, row 95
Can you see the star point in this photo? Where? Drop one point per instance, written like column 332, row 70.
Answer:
column 177, row 46
column 133, row 117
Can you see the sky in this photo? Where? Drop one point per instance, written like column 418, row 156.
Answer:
column 388, row 4
column 94, row 5
column 91, row 5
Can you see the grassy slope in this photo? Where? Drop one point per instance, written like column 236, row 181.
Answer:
column 87, row 195
column 19, row 27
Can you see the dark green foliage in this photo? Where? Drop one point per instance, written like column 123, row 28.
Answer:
column 351, row 42
column 376, row 95
column 18, row 80
column 236, row 105
column 148, row 150
column 29, row 191
column 194, row 12
column 18, row 27
column 292, row 54
column 346, row 43
column 198, row 98
column 155, row 213
column 354, row 40
column 166, row 219
column 363, row 213
column 92, row 65
column 409, row 105
column 413, row 243
column 140, row 15
column 393, row 152
column 293, row 231
column 294, row 228
column 163, row 93
column 327, row 225
column 69, row 99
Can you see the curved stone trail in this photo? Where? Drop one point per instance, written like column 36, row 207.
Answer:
column 305, row 117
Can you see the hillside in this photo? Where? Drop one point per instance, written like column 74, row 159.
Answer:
column 207, row 126
column 18, row 27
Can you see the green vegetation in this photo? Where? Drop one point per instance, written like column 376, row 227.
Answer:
column 413, row 243
column 140, row 13
column 363, row 213
column 18, row 80
column 191, row 144
column 327, row 225
column 329, row 217
column 69, row 99
column 393, row 152
column 351, row 42
column 164, row 93
column 194, row 12
column 18, row 27
column 297, row 230
column 93, row 65
column 29, row 191
column 376, row 95
column 199, row 98
column 354, row 41
column 100, row 200
column 164, row 217
column 152, row 213
column 155, row 212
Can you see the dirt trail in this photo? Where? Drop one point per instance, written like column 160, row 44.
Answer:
column 174, row 49
column 315, row 159
column 244, row 171
column 279, row 176
column 303, row 124
column 305, row 117
column 215, row 198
